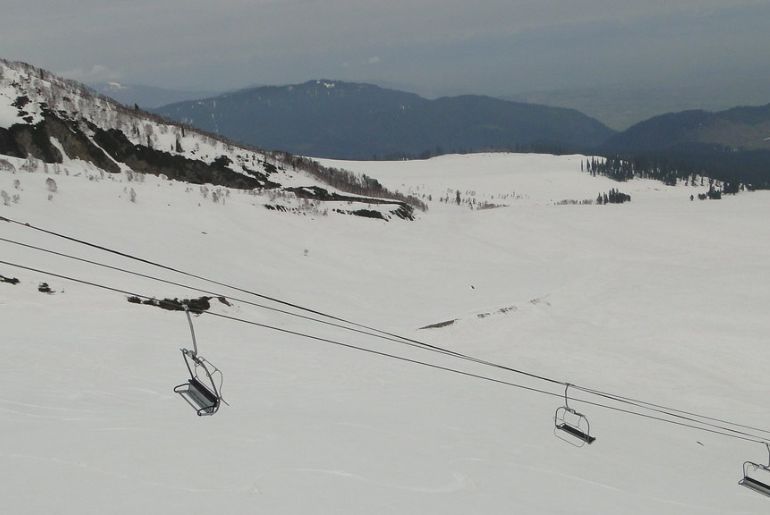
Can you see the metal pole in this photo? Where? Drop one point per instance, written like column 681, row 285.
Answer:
column 768, row 454
column 192, row 330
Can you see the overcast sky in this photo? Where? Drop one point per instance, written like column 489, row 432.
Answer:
column 433, row 47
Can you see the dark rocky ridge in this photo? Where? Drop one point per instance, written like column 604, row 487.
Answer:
column 23, row 140
column 143, row 159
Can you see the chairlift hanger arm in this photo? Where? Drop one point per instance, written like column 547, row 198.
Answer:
column 192, row 329
column 201, row 390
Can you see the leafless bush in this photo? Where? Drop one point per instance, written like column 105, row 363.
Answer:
column 50, row 184
column 6, row 166
column 573, row 202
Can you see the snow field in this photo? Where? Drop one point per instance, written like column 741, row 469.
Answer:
column 661, row 298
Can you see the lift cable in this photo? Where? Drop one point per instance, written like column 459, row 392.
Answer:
column 674, row 412
column 732, row 434
column 267, row 297
column 658, row 407
column 230, row 298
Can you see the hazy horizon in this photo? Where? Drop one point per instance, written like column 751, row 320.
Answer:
column 431, row 47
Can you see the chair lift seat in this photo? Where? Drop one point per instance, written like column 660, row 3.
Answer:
column 201, row 398
column 205, row 399
column 757, row 486
column 577, row 433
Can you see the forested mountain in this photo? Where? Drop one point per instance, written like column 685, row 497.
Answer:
column 361, row 121
column 741, row 128
column 732, row 146
column 622, row 105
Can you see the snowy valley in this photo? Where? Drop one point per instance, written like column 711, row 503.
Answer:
column 661, row 299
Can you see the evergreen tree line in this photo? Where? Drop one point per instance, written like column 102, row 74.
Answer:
column 613, row 197
column 733, row 170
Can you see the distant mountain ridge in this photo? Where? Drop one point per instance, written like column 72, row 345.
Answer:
column 346, row 120
column 620, row 106
column 335, row 119
column 741, row 128
column 732, row 146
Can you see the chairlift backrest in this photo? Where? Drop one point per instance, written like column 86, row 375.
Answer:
column 755, row 485
column 200, row 391
column 571, row 423
column 753, row 482
column 575, row 425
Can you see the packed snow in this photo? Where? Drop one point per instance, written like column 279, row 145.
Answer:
column 661, row 298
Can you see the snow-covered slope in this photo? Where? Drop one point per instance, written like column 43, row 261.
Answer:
column 662, row 299
column 53, row 121
column 46, row 92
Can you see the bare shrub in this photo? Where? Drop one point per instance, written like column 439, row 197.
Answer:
column 50, row 184
column 6, row 166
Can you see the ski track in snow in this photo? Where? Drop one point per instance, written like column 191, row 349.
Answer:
column 458, row 482
column 123, row 477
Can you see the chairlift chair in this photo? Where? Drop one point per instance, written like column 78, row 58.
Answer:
column 573, row 423
column 752, row 483
column 201, row 390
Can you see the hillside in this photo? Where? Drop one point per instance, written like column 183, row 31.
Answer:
column 53, row 123
column 623, row 105
column 740, row 128
column 731, row 146
column 656, row 299
column 326, row 118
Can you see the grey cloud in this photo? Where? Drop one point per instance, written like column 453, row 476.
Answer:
column 96, row 73
column 438, row 46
